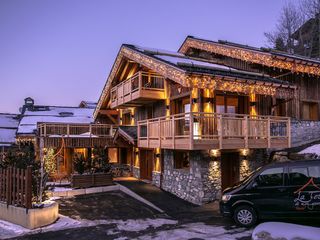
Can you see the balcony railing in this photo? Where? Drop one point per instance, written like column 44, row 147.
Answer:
column 201, row 131
column 76, row 135
column 140, row 87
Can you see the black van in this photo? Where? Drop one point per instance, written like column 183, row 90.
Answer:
column 279, row 190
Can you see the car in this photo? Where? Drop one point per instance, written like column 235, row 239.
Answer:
column 278, row 190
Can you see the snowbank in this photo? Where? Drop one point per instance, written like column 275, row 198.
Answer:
column 288, row 231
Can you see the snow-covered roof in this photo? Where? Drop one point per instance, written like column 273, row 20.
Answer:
column 202, row 66
column 8, row 128
column 53, row 114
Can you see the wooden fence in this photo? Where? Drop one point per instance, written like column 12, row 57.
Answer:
column 16, row 186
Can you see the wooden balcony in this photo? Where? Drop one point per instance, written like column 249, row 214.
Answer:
column 140, row 89
column 76, row 135
column 201, row 131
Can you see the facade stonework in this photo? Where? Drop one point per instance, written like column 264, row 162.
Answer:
column 156, row 178
column 136, row 172
column 199, row 184
column 304, row 132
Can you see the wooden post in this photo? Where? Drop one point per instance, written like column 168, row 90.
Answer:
column 90, row 130
column 268, row 132
column 41, row 169
column 173, row 132
column 191, row 131
column 28, row 200
column 246, row 132
column 159, row 135
column 220, row 131
column 68, row 130
column 140, row 82
column 289, row 132
column 148, row 129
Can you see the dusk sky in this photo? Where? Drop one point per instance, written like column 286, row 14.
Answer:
column 60, row 51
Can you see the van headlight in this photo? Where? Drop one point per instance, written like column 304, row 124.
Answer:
column 225, row 197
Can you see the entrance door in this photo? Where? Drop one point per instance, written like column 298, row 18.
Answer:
column 230, row 169
column 146, row 160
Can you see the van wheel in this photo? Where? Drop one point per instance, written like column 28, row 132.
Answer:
column 245, row 216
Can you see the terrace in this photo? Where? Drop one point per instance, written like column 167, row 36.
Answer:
column 201, row 131
column 141, row 88
column 76, row 135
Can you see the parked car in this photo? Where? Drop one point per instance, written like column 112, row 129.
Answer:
column 279, row 190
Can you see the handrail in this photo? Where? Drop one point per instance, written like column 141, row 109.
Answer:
column 199, row 126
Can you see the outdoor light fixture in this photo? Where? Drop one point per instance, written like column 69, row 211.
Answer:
column 214, row 153
column 245, row 152
column 157, row 155
column 167, row 107
column 194, row 100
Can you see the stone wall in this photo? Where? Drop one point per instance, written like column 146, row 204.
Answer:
column 303, row 132
column 199, row 184
column 156, row 178
column 136, row 172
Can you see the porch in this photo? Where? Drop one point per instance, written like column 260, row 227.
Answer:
column 141, row 88
column 55, row 135
column 201, row 131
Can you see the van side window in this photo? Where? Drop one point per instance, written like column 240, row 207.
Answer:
column 314, row 172
column 298, row 176
column 270, row 177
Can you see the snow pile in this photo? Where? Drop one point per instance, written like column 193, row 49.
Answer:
column 314, row 149
column 10, row 230
column 199, row 231
column 288, row 231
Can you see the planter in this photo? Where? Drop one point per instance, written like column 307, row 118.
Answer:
column 30, row 218
column 91, row 180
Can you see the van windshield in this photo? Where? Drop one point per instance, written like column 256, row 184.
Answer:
column 247, row 178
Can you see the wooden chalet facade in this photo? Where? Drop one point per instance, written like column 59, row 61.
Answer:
column 198, row 120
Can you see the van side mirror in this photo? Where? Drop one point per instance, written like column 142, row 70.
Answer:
column 254, row 185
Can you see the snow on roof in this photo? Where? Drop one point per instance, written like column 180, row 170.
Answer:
column 28, row 123
column 8, row 120
column 8, row 128
column 7, row 136
column 312, row 149
column 196, row 63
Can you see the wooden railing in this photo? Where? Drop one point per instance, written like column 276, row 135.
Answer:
column 140, row 85
column 16, row 186
column 67, row 130
column 209, row 131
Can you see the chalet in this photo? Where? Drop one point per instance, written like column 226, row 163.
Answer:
column 8, row 128
column 196, row 121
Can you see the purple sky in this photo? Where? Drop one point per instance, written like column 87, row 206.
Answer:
column 60, row 51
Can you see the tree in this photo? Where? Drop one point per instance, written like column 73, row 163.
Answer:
column 289, row 22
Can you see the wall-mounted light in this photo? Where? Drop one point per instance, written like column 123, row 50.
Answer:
column 209, row 100
column 179, row 89
column 244, row 152
column 215, row 153
column 194, row 100
column 157, row 155
column 167, row 107
column 136, row 151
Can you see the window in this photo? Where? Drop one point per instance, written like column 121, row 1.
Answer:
column 270, row 178
column 298, row 176
column 181, row 160
column 310, row 111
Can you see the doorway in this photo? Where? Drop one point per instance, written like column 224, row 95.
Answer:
column 230, row 169
column 146, row 164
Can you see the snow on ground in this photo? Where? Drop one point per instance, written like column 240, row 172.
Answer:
column 312, row 149
column 199, row 230
column 10, row 230
column 289, row 231
column 61, row 189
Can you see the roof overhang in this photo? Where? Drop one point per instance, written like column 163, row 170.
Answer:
column 270, row 59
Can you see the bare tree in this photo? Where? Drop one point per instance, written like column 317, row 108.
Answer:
column 289, row 22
